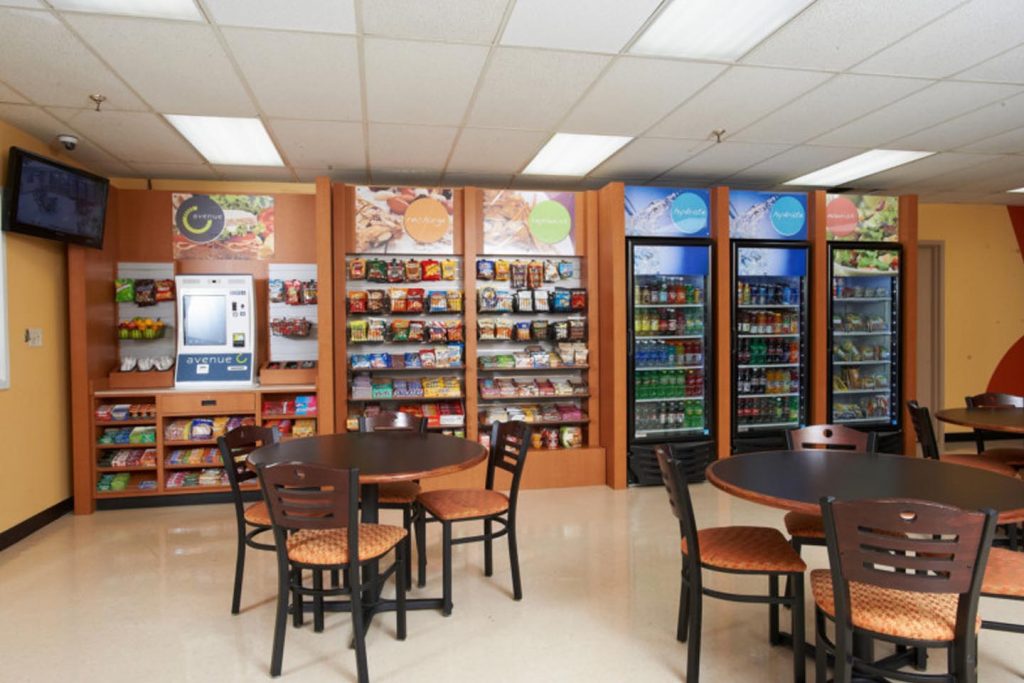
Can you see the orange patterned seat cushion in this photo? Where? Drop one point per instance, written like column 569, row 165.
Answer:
column 330, row 546
column 1004, row 575
column 398, row 492
column 747, row 548
column 916, row 616
column 982, row 462
column 803, row 525
column 451, row 504
column 257, row 514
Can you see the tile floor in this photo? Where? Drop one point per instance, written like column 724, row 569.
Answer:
column 144, row 594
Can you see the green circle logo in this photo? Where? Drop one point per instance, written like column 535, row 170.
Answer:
column 550, row 222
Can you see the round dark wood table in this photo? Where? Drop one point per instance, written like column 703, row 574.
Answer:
column 1010, row 420
column 797, row 480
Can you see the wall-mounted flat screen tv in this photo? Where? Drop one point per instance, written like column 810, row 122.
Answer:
column 49, row 199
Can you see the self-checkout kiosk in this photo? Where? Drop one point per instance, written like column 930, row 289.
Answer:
column 216, row 331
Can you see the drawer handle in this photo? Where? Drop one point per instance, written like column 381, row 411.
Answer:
column 209, row 402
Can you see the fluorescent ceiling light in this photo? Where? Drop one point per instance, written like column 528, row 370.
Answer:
column 569, row 154
column 710, row 29
column 163, row 9
column 228, row 141
column 1019, row 189
column 868, row 163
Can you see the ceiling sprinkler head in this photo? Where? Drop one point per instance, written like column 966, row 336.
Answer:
column 718, row 133
column 98, row 99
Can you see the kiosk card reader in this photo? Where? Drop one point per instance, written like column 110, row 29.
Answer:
column 216, row 330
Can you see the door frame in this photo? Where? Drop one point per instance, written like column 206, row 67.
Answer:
column 938, row 369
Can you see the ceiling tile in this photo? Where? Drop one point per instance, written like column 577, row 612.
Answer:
column 793, row 163
column 22, row 3
column 176, row 171
column 840, row 33
column 35, row 121
column 397, row 92
column 319, row 144
column 161, row 59
column 489, row 150
column 736, row 99
column 972, row 33
column 1006, row 68
column 299, row 75
column 464, row 21
column 998, row 117
column 920, row 110
column 726, row 158
column 635, row 93
column 586, row 25
column 1011, row 142
column 320, row 16
column 131, row 136
column 9, row 96
column 532, row 88
column 65, row 73
column 648, row 158
column 409, row 148
column 268, row 173
column 922, row 169
column 828, row 106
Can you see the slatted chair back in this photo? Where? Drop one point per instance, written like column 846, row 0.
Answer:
column 991, row 399
column 392, row 422
column 234, row 447
column 510, row 442
column 674, row 475
column 908, row 545
column 921, row 418
column 832, row 437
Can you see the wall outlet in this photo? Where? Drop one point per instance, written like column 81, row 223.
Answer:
column 34, row 336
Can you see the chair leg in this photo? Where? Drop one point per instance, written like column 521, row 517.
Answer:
column 513, row 557
column 921, row 658
column 407, row 525
column 280, row 620
column 797, row 546
column 684, row 607
column 964, row 664
column 820, row 656
column 421, row 547
column 488, row 548
column 446, row 567
column 402, row 549
column 799, row 638
column 358, row 634
column 297, row 606
column 318, row 602
column 843, row 670
column 236, row 597
column 693, row 647
column 335, row 578
column 773, row 610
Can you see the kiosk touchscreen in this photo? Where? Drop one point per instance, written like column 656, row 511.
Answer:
column 216, row 330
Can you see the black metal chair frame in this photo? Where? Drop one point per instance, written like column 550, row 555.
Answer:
column 911, row 562
column 991, row 399
column 301, row 496
column 504, row 455
column 675, row 474
column 243, row 438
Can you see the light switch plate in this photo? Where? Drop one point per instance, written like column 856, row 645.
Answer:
column 34, row 336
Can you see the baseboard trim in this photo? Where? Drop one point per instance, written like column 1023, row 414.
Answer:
column 173, row 500
column 35, row 523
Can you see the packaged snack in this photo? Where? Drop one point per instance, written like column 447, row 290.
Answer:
column 485, row 269
column 442, row 359
column 357, row 269
column 396, row 271
column 400, row 330
column 360, row 361
column 414, row 300
column 427, row 358
column 485, row 329
column 357, row 330
column 375, row 301
column 540, row 301
column 124, row 290
column 436, row 333
column 503, row 329
column 523, row 331
column 454, row 329
column 145, row 293
column 577, row 329
column 293, row 292
column 454, row 297
column 505, row 302
column 309, row 292
column 570, row 437
column 581, row 354
column 416, row 330
column 487, row 299
column 550, row 437
column 550, row 271
column 540, row 329
column 566, row 270
column 561, row 300
column 578, row 299
column 501, row 270
column 376, row 329
column 397, row 301
column 560, row 330
column 437, row 302
column 357, row 302
column 376, row 270
column 455, row 353
column 518, row 274
column 413, row 271
column 523, row 359
column 165, row 290
column 524, row 301
column 431, row 270
column 412, row 360
column 449, row 269
column 535, row 274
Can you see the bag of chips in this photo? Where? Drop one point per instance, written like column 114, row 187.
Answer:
column 566, row 270
column 396, row 271
column 560, row 330
column 357, row 331
column 145, row 293
column 414, row 300
column 413, row 271
column 540, row 301
column 376, row 329
column 436, row 333
column 124, row 290
column 487, row 299
column 293, row 292
column 578, row 299
column 376, row 270
column 518, row 275
column 357, row 269
column 561, row 300
column 416, row 330
column 505, row 302
column 397, row 301
column 400, row 330
column 535, row 274
column 539, row 329
column 524, row 301
column 454, row 329
column 449, row 269
column 485, row 269
column 357, row 302
column 550, row 271
column 437, row 302
column 455, row 300
column 523, row 331
column 375, row 301
column 501, row 270
column 431, row 270
column 485, row 329
column 165, row 290
column 503, row 329
column 577, row 329
column 309, row 292
column 427, row 358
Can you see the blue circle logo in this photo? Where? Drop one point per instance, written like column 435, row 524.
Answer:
column 788, row 216
column 689, row 213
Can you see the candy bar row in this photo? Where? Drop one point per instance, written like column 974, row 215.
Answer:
column 559, row 300
column 367, row 388
column 500, row 388
column 378, row 330
column 503, row 329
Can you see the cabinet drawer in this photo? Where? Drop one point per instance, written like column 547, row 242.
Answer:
column 211, row 403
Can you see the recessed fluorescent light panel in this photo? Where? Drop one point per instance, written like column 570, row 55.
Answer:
column 569, row 154
column 860, row 166
column 228, row 141
column 710, row 29
column 1019, row 189
column 162, row 9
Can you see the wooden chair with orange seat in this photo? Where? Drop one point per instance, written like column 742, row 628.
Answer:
column 1013, row 457
column 907, row 572
column 921, row 418
column 756, row 551
column 254, row 519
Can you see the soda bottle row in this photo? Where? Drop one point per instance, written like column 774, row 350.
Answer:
column 668, row 322
column 768, row 411
column 768, row 381
column 669, row 383
column 659, row 354
column 668, row 290
column 767, row 351
column 670, row 415
column 768, row 293
column 768, row 322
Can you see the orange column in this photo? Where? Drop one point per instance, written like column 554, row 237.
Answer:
column 611, row 256
column 908, row 238
column 820, row 288
column 723, row 319
column 325, row 307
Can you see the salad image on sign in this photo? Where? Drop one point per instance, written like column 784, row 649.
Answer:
column 222, row 226
column 767, row 215
column 866, row 262
column 406, row 220
column 666, row 212
column 862, row 218
column 529, row 222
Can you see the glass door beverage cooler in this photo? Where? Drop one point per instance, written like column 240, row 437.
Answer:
column 769, row 343
column 864, row 311
column 669, row 371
